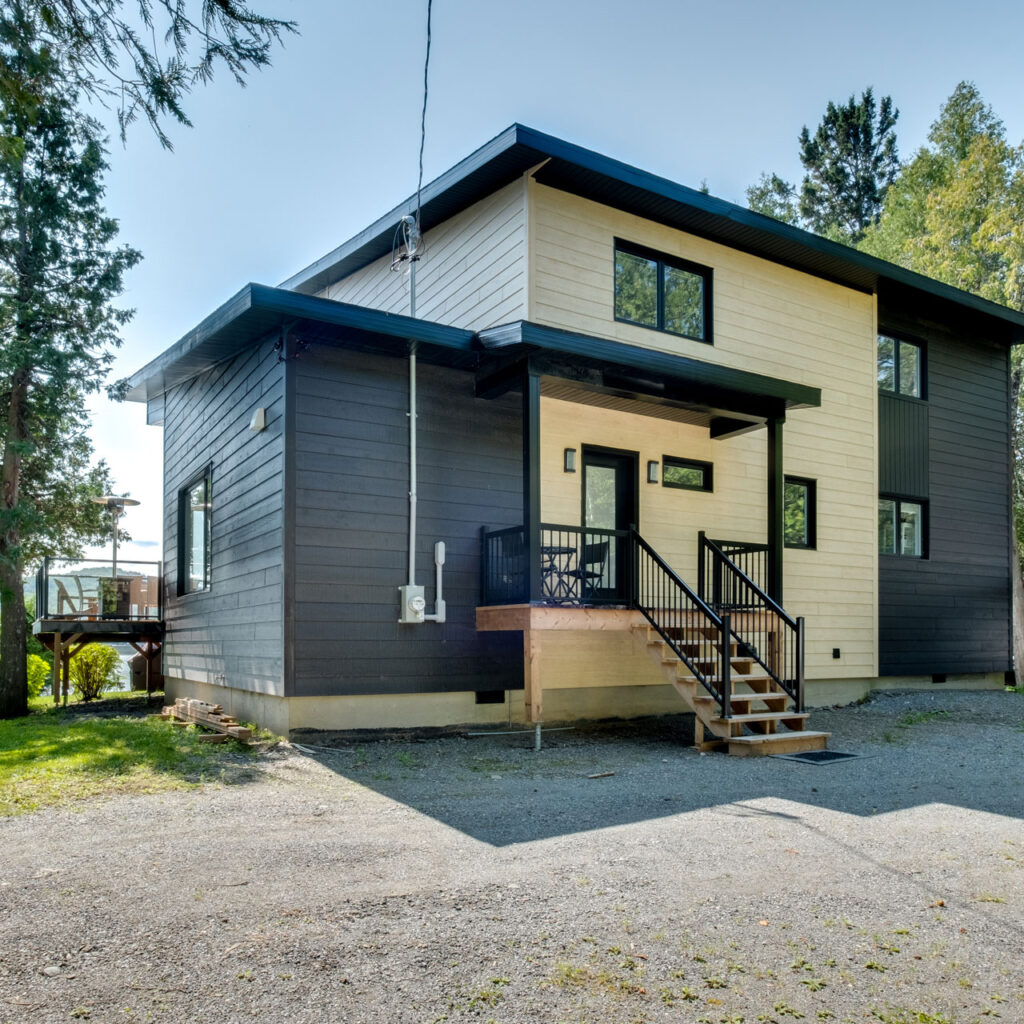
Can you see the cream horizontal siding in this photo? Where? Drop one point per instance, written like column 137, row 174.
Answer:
column 767, row 319
column 473, row 271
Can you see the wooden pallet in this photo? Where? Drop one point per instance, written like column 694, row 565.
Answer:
column 211, row 716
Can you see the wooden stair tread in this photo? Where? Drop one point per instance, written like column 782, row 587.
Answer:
column 764, row 716
column 746, row 698
column 777, row 738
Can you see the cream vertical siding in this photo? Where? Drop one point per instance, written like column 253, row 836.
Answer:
column 767, row 319
column 473, row 271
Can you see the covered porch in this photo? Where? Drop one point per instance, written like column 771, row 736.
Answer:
column 609, row 541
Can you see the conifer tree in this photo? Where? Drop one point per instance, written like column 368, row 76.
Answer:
column 59, row 272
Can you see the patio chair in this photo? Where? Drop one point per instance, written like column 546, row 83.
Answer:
column 591, row 568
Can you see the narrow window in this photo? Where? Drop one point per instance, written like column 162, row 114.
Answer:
column 901, row 527
column 195, row 513
column 688, row 474
column 800, row 513
column 663, row 292
column 900, row 367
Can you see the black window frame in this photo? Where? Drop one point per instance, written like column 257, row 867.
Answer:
column 922, row 503
column 900, row 339
column 205, row 475
column 810, row 514
column 707, row 468
column 676, row 263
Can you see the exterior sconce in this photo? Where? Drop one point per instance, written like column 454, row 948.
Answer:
column 569, row 463
column 259, row 420
column 652, row 472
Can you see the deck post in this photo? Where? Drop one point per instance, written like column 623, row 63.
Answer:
column 58, row 662
column 531, row 484
column 776, row 509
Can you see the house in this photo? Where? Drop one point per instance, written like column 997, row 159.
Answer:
column 636, row 409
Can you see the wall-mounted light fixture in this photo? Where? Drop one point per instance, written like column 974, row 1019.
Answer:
column 259, row 420
column 569, row 462
column 652, row 472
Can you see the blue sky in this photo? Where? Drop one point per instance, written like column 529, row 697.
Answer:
column 326, row 140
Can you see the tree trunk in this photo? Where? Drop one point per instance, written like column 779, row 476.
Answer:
column 13, row 663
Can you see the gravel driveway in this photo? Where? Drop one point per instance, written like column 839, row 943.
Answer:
column 471, row 879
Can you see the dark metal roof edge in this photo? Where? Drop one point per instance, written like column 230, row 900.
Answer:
column 560, row 149
column 537, row 145
column 524, row 332
column 296, row 306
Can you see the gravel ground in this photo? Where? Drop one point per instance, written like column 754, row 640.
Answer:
column 471, row 879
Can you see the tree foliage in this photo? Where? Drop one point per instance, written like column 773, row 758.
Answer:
column 849, row 162
column 956, row 213
column 59, row 273
column 146, row 57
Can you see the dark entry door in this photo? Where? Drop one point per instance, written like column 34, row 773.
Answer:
column 609, row 503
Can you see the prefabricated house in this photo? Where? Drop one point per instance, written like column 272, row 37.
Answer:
column 596, row 444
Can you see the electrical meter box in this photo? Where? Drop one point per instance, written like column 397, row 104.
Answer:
column 412, row 605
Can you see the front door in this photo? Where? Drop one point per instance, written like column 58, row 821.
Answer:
column 609, row 503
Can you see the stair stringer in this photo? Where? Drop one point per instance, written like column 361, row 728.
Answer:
column 726, row 734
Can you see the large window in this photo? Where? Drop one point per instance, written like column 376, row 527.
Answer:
column 900, row 366
column 689, row 474
column 663, row 292
column 195, row 513
column 800, row 513
column 901, row 527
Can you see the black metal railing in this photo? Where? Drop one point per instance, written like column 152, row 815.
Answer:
column 578, row 566
column 751, row 559
column 763, row 630
column 691, row 628
column 88, row 589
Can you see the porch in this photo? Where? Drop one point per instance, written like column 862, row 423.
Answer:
column 709, row 613
column 92, row 601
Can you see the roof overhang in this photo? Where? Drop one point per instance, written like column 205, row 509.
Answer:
column 258, row 312
column 571, row 168
column 722, row 397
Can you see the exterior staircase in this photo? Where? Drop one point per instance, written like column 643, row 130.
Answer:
column 760, row 723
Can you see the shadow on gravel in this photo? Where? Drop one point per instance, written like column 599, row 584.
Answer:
column 499, row 791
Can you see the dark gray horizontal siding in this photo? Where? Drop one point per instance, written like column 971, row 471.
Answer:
column 231, row 634
column 351, row 483
column 950, row 613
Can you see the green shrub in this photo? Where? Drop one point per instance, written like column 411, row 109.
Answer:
column 93, row 670
column 38, row 674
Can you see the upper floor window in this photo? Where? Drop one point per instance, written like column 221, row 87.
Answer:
column 195, row 514
column 900, row 366
column 663, row 292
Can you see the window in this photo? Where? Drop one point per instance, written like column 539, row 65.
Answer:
column 195, row 512
column 800, row 529
column 900, row 366
column 662, row 292
column 688, row 474
column 901, row 527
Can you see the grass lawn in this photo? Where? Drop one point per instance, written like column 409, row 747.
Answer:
column 56, row 756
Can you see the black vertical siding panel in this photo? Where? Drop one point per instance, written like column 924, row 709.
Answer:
column 231, row 634
column 902, row 446
column 950, row 612
column 351, row 523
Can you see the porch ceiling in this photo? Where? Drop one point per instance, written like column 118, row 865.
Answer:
column 614, row 375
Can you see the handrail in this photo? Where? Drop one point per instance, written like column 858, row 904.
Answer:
column 672, row 608
column 81, row 593
column 766, row 632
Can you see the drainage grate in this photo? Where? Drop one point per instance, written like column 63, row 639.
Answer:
column 817, row 756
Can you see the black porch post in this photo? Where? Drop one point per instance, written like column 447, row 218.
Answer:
column 776, row 508
column 531, row 483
